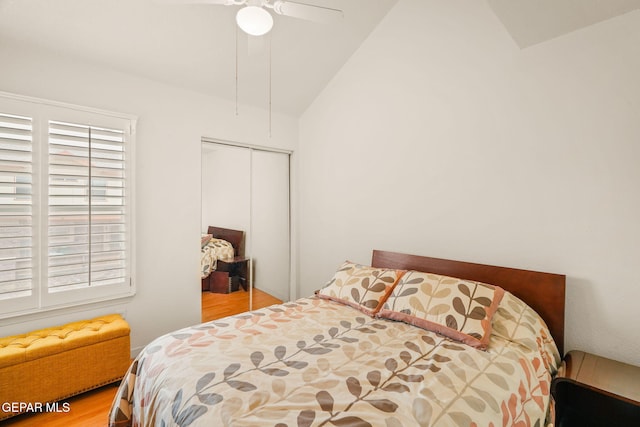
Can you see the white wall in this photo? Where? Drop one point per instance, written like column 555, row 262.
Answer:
column 171, row 123
column 444, row 139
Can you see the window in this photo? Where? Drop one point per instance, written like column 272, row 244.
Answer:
column 16, row 211
column 66, row 213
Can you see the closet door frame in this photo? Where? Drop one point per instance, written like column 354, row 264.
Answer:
column 220, row 142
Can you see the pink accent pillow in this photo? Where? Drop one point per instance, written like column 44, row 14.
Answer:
column 459, row 309
column 204, row 239
column 364, row 288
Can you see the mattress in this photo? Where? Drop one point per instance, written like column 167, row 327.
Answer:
column 315, row 362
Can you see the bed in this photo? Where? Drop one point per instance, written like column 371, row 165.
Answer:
column 376, row 346
column 219, row 244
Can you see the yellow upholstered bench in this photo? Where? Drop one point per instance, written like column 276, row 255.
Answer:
column 55, row 363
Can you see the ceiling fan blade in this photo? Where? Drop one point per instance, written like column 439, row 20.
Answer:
column 215, row 2
column 307, row 11
column 222, row 2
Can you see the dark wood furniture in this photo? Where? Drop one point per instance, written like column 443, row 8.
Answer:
column 590, row 390
column 229, row 276
column 235, row 237
column 544, row 292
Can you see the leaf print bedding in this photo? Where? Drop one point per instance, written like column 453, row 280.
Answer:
column 316, row 362
column 211, row 252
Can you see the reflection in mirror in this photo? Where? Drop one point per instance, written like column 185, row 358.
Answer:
column 245, row 256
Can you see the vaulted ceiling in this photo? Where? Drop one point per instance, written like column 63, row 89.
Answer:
column 534, row 21
column 193, row 46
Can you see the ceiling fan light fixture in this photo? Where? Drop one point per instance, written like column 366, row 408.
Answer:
column 254, row 20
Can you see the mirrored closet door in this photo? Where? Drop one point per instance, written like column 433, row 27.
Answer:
column 245, row 225
column 270, row 222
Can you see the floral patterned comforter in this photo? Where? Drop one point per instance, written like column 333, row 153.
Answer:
column 211, row 252
column 315, row 362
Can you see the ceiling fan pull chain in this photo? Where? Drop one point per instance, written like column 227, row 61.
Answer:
column 269, row 59
column 237, row 69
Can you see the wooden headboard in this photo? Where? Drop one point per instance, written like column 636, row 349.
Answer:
column 544, row 292
column 235, row 237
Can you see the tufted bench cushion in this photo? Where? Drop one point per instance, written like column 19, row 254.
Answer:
column 55, row 363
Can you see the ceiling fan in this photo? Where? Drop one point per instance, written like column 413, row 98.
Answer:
column 254, row 18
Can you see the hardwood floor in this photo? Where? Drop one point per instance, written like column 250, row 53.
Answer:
column 215, row 306
column 87, row 409
column 91, row 409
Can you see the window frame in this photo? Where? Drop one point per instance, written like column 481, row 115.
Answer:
column 41, row 112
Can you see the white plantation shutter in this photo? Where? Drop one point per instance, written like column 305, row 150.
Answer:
column 87, row 207
column 16, row 206
column 66, row 211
